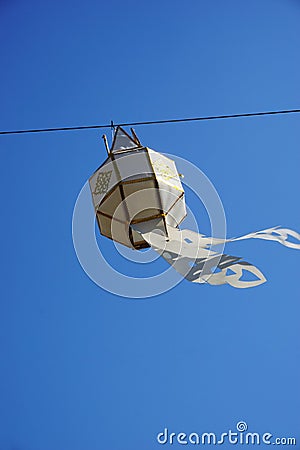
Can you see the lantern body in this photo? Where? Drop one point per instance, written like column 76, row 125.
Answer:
column 136, row 185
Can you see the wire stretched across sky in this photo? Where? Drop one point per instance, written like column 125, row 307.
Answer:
column 152, row 122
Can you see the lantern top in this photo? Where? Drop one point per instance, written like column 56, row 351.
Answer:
column 123, row 141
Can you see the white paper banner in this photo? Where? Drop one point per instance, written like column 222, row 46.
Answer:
column 190, row 254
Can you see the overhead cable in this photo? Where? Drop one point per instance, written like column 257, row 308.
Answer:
column 152, row 122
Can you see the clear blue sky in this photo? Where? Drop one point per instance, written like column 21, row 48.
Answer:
column 82, row 369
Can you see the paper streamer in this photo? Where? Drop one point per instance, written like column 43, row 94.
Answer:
column 192, row 256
